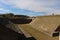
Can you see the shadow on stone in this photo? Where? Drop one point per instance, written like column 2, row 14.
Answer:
column 31, row 38
column 8, row 34
column 55, row 34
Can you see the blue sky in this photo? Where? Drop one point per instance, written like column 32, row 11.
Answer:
column 30, row 7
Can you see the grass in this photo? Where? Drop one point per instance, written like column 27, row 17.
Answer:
column 46, row 23
column 37, row 34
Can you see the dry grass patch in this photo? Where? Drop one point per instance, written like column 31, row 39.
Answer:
column 37, row 34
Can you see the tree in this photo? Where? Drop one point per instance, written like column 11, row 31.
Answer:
column 23, row 16
column 9, row 15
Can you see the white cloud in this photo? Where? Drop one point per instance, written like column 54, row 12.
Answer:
column 34, row 5
column 2, row 9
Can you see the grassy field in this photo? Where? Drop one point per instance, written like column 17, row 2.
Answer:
column 46, row 24
column 36, row 34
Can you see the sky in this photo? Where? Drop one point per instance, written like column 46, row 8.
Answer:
column 30, row 7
